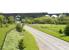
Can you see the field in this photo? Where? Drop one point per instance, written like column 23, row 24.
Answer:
column 52, row 30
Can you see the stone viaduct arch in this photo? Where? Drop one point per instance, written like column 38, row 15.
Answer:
column 23, row 15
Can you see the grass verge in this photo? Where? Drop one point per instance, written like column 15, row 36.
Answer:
column 13, row 38
column 3, row 31
column 52, row 30
column 29, row 42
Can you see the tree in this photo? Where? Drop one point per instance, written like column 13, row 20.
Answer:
column 5, row 21
column 1, row 19
column 66, row 30
column 11, row 19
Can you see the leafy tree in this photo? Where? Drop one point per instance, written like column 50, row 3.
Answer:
column 5, row 21
column 29, row 21
column 49, row 21
column 1, row 19
column 11, row 19
column 43, row 20
column 36, row 20
column 66, row 30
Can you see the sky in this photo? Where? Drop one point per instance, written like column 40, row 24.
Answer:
column 31, row 6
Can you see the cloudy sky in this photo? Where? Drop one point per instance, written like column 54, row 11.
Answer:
column 29, row 6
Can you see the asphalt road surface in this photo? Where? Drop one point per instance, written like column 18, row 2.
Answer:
column 47, row 42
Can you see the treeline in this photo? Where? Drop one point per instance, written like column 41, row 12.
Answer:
column 38, row 20
column 48, row 20
column 6, row 20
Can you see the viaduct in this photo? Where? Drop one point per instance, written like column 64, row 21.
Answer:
column 32, row 14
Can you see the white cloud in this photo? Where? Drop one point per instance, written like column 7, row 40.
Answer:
column 51, row 6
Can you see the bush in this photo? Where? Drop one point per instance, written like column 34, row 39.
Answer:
column 21, row 45
column 66, row 30
column 60, row 31
column 19, row 27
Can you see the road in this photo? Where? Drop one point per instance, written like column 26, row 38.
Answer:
column 47, row 42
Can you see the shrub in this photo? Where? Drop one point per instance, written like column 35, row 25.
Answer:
column 66, row 30
column 21, row 45
column 19, row 27
column 60, row 31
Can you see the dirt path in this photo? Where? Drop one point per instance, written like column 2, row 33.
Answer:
column 11, row 41
column 47, row 42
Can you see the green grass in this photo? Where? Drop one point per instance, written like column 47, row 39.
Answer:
column 53, row 27
column 14, row 37
column 29, row 42
column 3, row 31
column 52, row 30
